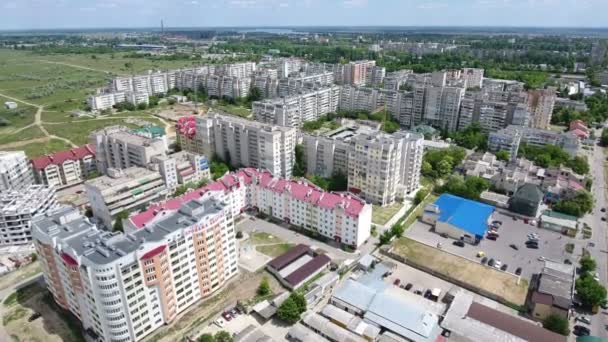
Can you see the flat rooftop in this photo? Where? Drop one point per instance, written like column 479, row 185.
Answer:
column 122, row 176
column 25, row 200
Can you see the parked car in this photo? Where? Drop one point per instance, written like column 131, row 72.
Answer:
column 526, row 221
column 583, row 319
column 567, row 262
column 444, row 235
column 227, row 316
column 498, row 264
column 402, row 286
column 397, row 282
column 496, row 222
column 603, row 210
column 596, row 276
column 504, row 267
column 219, row 322
column 603, row 218
column 580, row 330
column 492, row 237
column 518, row 271
column 418, row 292
column 484, row 260
column 514, row 246
column 427, row 294
column 458, row 243
column 408, row 286
column 34, row 316
column 491, row 262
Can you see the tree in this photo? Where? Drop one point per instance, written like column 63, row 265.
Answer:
column 444, row 168
column 289, row 311
column 503, row 155
column 255, row 94
column 579, row 165
column 223, row 336
column 577, row 205
column 420, row 196
column 264, row 287
column 300, row 301
column 298, row 168
column 34, row 257
column 123, row 215
column 588, row 264
column 557, row 324
column 590, row 291
column 206, row 338
column 426, row 168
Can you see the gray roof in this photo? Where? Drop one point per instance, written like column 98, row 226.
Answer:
column 304, row 334
column 102, row 247
column 557, row 280
column 329, row 329
column 356, row 294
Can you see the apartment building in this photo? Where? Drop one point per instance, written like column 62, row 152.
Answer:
column 494, row 84
column 356, row 72
column 65, row 168
column 294, row 110
column 185, row 132
column 442, row 106
column 473, row 77
column 267, row 85
column 128, row 189
column 342, row 217
column 509, row 139
column 375, row 75
column 15, row 171
column 119, row 147
column 298, row 83
column 288, row 66
column 540, row 104
column 182, row 168
column 18, row 208
column 361, row 98
column 394, row 80
column 242, row 142
column 381, row 167
column 123, row 287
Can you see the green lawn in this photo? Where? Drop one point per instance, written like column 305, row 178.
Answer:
column 381, row 215
column 79, row 133
column 36, row 149
column 274, row 251
column 12, row 119
column 261, row 238
column 234, row 110
column 26, row 134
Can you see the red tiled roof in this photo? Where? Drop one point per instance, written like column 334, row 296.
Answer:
column 60, row 157
column 288, row 257
column 186, row 126
column 154, row 252
column 580, row 133
column 69, row 260
column 513, row 325
column 308, row 269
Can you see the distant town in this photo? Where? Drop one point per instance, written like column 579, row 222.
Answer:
column 303, row 185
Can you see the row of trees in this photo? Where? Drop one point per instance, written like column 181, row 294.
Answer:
column 470, row 188
column 554, row 156
column 577, row 205
column 337, row 182
column 441, row 163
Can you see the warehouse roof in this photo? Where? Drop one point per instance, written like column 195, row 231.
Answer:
column 468, row 215
column 290, row 256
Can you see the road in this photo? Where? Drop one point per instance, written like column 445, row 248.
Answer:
column 599, row 237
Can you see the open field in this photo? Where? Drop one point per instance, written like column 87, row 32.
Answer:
column 463, row 270
column 79, row 133
column 14, row 119
column 274, row 251
column 261, row 238
column 381, row 215
column 29, row 133
column 53, row 325
column 20, row 275
column 37, row 149
column 234, row 110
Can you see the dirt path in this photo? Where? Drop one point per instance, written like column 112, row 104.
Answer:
column 77, row 66
column 23, row 143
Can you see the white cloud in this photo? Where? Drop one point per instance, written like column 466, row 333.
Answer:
column 432, row 5
column 354, row 3
column 243, row 3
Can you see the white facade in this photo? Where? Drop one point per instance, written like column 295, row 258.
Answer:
column 125, row 286
column 182, row 168
column 18, row 208
column 65, row 168
column 15, row 172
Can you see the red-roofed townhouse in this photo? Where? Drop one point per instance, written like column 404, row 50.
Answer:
column 65, row 168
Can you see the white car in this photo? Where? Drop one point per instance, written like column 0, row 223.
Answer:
column 541, row 258
column 583, row 319
column 498, row 264
column 219, row 322
column 596, row 276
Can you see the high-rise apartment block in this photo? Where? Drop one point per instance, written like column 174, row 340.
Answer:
column 15, row 172
column 18, row 208
column 473, row 77
column 182, row 168
column 119, row 147
column 541, row 103
column 380, row 167
column 125, row 286
column 242, row 142
column 294, row 110
column 128, row 189
column 65, row 168
column 298, row 83
column 442, row 106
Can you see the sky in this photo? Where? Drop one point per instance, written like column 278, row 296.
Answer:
column 46, row 14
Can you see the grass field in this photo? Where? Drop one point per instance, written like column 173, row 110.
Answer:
column 274, row 251
column 79, row 133
column 36, row 149
column 234, row 110
column 261, row 238
column 493, row 281
column 26, row 134
column 13, row 119
column 381, row 215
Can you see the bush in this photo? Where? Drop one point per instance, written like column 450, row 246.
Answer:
column 264, row 287
column 556, row 324
column 590, row 291
column 420, row 196
column 292, row 308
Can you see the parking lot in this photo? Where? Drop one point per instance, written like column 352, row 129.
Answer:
column 552, row 245
column 273, row 327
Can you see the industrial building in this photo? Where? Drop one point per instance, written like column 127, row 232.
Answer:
column 297, row 266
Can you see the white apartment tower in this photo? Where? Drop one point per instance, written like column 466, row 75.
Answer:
column 15, row 172
column 125, row 286
column 540, row 104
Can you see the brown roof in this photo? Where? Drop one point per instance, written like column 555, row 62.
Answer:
column 290, row 256
column 513, row 325
column 307, row 269
column 541, row 298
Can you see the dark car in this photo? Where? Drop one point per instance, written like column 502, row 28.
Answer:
column 580, row 330
column 532, row 245
column 603, row 218
column 567, row 262
column 408, row 286
column 492, row 237
column 603, row 210
column 34, row 316
column 418, row 292
column 444, row 235
column 514, row 247
column 491, row 262
column 427, row 294
column 484, row 260
column 504, row 267
column 518, row 271
column 397, row 282
column 458, row 243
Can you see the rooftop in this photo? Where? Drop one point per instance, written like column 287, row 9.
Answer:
column 290, row 256
column 121, row 177
column 557, row 280
column 58, row 158
column 25, row 200
column 468, row 215
column 84, row 241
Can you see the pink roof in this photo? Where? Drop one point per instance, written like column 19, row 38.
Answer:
column 578, row 124
column 301, row 190
column 574, row 185
column 154, row 252
column 186, row 126
column 69, row 260
column 580, row 133
column 60, row 157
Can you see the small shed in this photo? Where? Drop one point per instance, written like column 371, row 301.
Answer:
column 10, row 105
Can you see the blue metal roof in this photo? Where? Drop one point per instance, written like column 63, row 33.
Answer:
column 470, row 216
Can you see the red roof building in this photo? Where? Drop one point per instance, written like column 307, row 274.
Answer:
column 65, row 168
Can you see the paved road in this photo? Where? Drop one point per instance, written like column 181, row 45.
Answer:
column 596, row 161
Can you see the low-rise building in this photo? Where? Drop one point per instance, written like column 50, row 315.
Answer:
column 65, row 168
column 526, row 200
column 10, row 105
column 129, row 189
column 552, row 291
column 509, row 139
column 15, row 171
column 123, row 287
column 558, row 222
column 18, row 208
column 298, row 265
